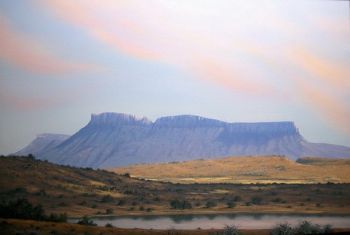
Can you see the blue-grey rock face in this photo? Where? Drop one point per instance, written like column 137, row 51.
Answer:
column 42, row 143
column 113, row 139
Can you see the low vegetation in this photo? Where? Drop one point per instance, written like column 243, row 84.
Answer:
column 304, row 228
column 22, row 209
column 86, row 221
column 180, row 204
column 84, row 191
column 231, row 230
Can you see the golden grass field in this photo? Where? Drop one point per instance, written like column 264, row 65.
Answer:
column 245, row 170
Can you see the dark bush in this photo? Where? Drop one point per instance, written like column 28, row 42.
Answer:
column 306, row 227
column 210, row 204
column 57, row 217
column 180, row 204
column 303, row 228
column 256, row 200
column 231, row 204
column 121, row 202
column 21, row 209
column 109, row 211
column 86, row 221
column 62, row 204
column 107, row 198
column 231, row 230
column 282, row 229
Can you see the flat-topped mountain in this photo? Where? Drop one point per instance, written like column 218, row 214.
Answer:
column 114, row 139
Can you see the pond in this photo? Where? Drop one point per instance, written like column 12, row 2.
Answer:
column 242, row 221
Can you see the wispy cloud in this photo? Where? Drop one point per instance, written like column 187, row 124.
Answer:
column 22, row 102
column 322, row 69
column 80, row 14
column 148, row 32
column 335, row 110
column 215, row 45
column 26, row 53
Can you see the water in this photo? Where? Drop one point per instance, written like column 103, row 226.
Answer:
column 246, row 221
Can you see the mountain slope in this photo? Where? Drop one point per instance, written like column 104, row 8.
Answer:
column 42, row 143
column 114, row 139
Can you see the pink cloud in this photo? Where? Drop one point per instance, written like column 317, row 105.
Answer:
column 192, row 39
column 327, row 105
column 80, row 14
column 146, row 32
column 26, row 53
column 321, row 68
column 213, row 71
column 27, row 103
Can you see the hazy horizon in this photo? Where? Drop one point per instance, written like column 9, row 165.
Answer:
column 235, row 61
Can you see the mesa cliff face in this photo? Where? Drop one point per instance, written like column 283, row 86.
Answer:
column 114, row 139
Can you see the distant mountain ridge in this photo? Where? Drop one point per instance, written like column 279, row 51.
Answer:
column 116, row 139
column 43, row 143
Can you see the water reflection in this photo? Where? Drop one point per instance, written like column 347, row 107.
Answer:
column 243, row 221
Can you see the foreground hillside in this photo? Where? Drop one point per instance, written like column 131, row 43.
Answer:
column 246, row 170
column 116, row 139
column 84, row 191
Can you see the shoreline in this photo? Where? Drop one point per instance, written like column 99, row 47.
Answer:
column 216, row 213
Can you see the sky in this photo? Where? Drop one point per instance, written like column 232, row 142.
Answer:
column 237, row 61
